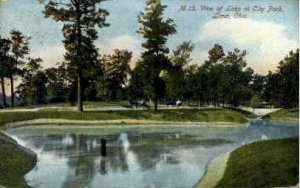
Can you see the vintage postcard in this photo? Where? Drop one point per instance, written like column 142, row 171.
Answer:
column 149, row 93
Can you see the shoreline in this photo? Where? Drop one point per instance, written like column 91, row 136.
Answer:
column 120, row 122
column 214, row 171
column 18, row 161
column 283, row 119
column 103, row 123
column 266, row 153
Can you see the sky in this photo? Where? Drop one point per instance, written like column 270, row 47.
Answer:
column 267, row 36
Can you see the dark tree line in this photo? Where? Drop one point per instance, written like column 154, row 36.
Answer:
column 282, row 86
column 224, row 79
column 12, row 57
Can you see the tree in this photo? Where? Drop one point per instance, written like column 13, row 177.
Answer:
column 5, row 45
column 215, row 55
column 19, row 48
column 137, row 82
column 57, row 83
column 116, row 70
column 33, row 87
column 257, row 85
column 282, row 87
column 80, row 17
column 289, row 71
column 239, row 75
column 193, row 84
column 214, row 75
column 273, row 90
column 175, row 76
column 255, row 102
column 155, row 30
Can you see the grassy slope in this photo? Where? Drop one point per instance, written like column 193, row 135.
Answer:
column 263, row 164
column 162, row 115
column 15, row 162
column 87, row 104
column 214, row 173
column 284, row 114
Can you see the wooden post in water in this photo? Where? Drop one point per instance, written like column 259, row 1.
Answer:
column 103, row 147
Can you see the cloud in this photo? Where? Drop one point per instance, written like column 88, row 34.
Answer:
column 50, row 55
column 122, row 42
column 265, row 41
column 199, row 56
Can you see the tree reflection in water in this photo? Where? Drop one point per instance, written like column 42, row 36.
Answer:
column 163, row 157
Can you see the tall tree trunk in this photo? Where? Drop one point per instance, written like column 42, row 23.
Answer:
column 155, row 104
column 12, row 103
column 79, row 59
column 3, row 92
column 79, row 91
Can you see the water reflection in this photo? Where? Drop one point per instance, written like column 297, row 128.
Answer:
column 136, row 157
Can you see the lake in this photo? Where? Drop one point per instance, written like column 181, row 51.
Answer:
column 137, row 156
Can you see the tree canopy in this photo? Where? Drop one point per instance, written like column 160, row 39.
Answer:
column 80, row 19
column 155, row 29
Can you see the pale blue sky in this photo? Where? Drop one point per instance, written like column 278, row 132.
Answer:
column 266, row 36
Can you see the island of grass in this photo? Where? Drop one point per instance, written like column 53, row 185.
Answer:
column 272, row 163
column 218, row 116
column 284, row 114
column 15, row 162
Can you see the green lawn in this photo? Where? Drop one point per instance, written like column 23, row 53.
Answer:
column 182, row 115
column 87, row 104
column 284, row 114
column 271, row 163
column 15, row 162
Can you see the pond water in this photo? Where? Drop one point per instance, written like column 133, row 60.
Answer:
column 148, row 156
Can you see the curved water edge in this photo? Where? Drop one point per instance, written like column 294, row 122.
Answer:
column 168, row 154
column 16, row 162
column 119, row 122
column 214, row 171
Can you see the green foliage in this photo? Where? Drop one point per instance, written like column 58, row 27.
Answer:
column 80, row 19
column 255, row 101
column 32, row 90
column 57, row 83
column 116, row 70
column 258, row 84
column 284, row 114
column 222, row 79
column 214, row 115
column 272, row 163
column 282, row 87
column 5, row 45
column 137, row 81
column 175, row 75
column 155, row 30
column 15, row 162
column 19, row 48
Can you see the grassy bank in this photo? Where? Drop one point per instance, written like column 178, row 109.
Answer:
column 284, row 114
column 87, row 104
column 15, row 162
column 214, row 172
column 271, row 163
column 180, row 115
